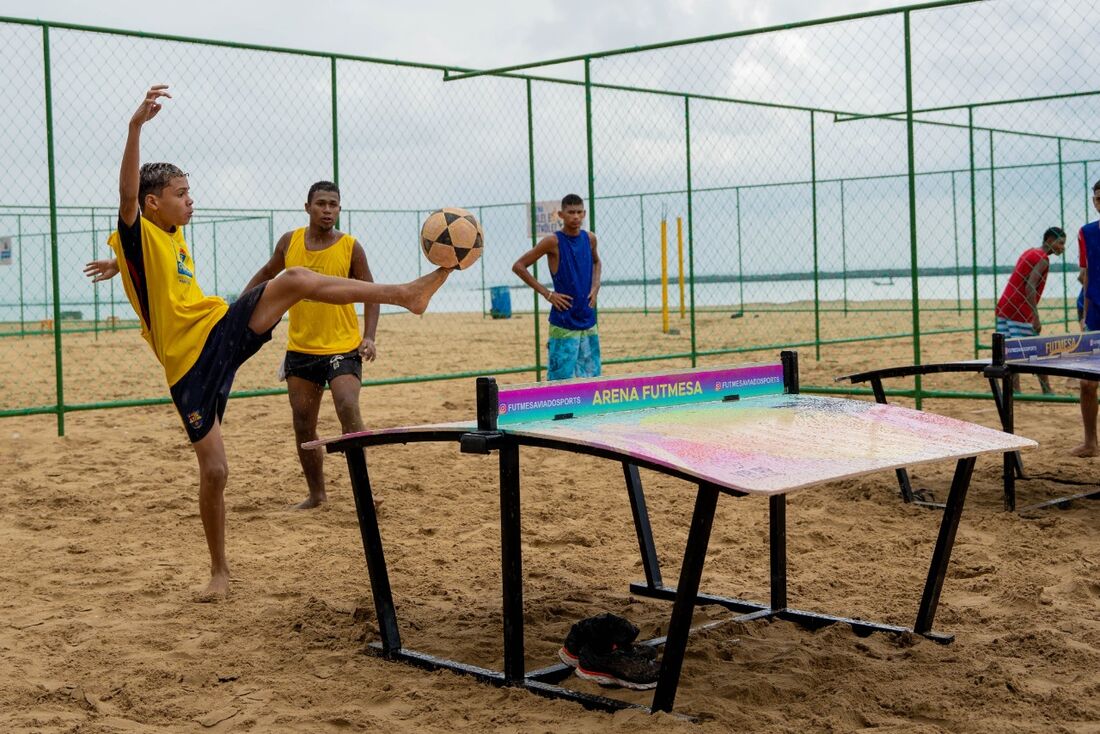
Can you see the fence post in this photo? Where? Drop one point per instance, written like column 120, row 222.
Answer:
column 691, row 248
column 955, row 229
column 915, row 290
column 844, row 247
column 95, row 286
column 335, row 130
column 973, row 224
column 740, row 268
column 214, row 237
column 484, row 310
column 531, row 209
column 1062, row 224
column 58, row 367
column 419, row 260
column 813, row 200
column 19, row 255
column 645, row 278
column 993, row 214
column 588, row 136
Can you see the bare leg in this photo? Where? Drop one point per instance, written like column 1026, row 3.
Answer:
column 305, row 402
column 213, row 474
column 1088, row 418
column 295, row 284
column 1044, row 385
column 345, row 396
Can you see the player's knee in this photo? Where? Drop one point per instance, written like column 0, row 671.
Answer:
column 304, row 427
column 214, row 473
column 299, row 278
column 347, row 410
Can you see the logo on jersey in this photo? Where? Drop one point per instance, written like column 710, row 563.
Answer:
column 181, row 264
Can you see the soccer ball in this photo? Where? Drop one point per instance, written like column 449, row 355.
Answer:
column 451, row 238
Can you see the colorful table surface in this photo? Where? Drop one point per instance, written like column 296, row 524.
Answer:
column 767, row 445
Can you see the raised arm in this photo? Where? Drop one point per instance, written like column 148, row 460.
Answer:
column 129, row 176
column 360, row 270
column 272, row 267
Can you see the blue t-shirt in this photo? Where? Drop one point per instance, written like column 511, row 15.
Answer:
column 574, row 278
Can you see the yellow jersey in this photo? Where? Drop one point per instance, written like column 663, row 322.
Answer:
column 158, row 275
column 315, row 327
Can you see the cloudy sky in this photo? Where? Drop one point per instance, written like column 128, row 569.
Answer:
column 480, row 34
column 252, row 127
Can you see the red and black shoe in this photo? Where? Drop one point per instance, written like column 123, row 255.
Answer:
column 603, row 633
column 633, row 666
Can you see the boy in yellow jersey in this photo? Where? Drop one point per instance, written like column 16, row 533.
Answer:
column 198, row 339
column 324, row 345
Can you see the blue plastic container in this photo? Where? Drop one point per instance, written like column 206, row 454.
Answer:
column 500, row 302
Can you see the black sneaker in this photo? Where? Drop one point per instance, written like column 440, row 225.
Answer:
column 603, row 633
column 629, row 667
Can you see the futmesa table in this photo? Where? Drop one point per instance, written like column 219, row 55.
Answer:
column 1076, row 356
column 742, row 431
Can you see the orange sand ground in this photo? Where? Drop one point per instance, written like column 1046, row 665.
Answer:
column 103, row 550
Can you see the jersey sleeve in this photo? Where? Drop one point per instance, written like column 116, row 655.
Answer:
column 129, row 237
column 1082, row 257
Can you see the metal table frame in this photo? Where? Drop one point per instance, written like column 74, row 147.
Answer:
column 685, row 595
column 999, row 373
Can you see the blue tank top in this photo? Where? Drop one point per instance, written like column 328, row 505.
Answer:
column 1090, row 237
column 574, row 278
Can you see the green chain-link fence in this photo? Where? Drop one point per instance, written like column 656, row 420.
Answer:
column 832, row 183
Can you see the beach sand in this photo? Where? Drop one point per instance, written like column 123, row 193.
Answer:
column 103, row 553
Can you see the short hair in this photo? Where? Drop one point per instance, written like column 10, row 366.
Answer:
column 1096, row 186
column 154, row 177
column 571, row 200
column 321, row 186
column 1054, row 233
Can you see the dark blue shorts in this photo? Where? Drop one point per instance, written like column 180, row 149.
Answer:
column 201, row 394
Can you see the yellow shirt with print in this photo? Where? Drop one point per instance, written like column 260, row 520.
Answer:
column 315, row 327
column 159, row 277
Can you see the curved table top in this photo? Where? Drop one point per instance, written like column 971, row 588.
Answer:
column 766, row 445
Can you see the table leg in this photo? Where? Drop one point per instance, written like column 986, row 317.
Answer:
column 511, row 557
column 902, row 474
column 642, row 527
column 372, row 547
column 1008, row 422
column 941, row 556
column 679, row 626
column 777, row 550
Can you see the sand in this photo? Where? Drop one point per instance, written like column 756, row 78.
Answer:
column 103, row 554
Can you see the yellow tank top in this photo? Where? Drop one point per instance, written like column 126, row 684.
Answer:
column 159, row 279
column 322, row 328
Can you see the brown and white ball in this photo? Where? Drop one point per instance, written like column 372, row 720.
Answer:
column 451, row 238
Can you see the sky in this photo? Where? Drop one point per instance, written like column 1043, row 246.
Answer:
column 251, row 127
column 479, row 34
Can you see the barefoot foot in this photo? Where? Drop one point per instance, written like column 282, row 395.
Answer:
column 216, row 590
column 423, row 288
column 1085, row 450
column 311, row 502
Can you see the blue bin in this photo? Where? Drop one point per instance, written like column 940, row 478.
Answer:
column 500, row 300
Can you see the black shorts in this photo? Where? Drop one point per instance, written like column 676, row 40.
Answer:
column 201, row 394
column 320, row 369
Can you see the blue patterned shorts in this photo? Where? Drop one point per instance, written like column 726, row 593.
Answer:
column 573, row 353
